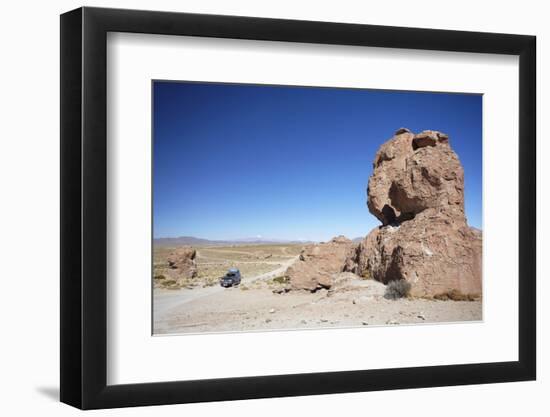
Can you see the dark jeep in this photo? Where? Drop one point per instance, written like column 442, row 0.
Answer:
column 233, row 277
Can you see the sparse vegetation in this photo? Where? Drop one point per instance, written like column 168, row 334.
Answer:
column 213, row 262
column 455, row 295
column 397, row 289
column 366, row 274
column 280, row 280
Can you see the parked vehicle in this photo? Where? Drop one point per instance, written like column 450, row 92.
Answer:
column 231, row 278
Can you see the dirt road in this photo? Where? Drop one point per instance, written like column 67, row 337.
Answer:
column 166, row 300
column 355, row 303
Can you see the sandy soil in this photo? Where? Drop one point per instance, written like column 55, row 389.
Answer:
column 353, row 302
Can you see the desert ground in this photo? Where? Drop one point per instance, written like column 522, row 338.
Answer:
column 261, row 302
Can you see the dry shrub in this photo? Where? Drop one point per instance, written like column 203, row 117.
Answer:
column 397, row 289
column 455, row 295
column 366, row 274
column 281, row 280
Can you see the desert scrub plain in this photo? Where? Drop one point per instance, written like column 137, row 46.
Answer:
column 212, row 262
column 263, row 301
column 264, row 304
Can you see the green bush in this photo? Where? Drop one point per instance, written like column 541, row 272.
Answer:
column 397, row 289
column 281, row 280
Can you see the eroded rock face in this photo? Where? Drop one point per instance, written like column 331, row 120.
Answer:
column 413, row 173
column 318, row 263
column 417, row 192
column 389, row 161
column 181, row 264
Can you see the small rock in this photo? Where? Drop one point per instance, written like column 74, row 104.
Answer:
column 272, row 310
column 303, row 322
column 421, row 316
column 268, row 320
column 392, row 322
column 324, row 321
column 364, row 323
column 402, row 130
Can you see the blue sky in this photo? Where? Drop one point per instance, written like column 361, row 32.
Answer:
column 236, row 161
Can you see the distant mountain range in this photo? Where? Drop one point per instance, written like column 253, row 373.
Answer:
column 195, row 241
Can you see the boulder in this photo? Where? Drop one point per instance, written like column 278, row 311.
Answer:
column 410, row 174
column 388, row 163
column 432, row 178
column 418, row 195
column 180, row 265
column 318, row 263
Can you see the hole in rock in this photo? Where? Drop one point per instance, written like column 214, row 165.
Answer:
column 389, row 215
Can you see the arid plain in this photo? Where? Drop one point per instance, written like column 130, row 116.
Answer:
column 261, row 302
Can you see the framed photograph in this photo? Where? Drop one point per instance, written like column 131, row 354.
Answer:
column 257, row 208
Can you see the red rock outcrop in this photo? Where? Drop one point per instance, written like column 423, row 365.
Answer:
column 318, row 263
column 417, row 192
column 181, row 265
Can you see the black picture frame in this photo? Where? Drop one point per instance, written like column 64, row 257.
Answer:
column 84, row 207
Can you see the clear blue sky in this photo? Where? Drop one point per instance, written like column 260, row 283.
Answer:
column 237, row 161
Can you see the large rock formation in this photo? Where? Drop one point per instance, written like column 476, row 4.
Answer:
column 417, row 192
column 179, row 269
column 318, row 263
column 183, row 260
